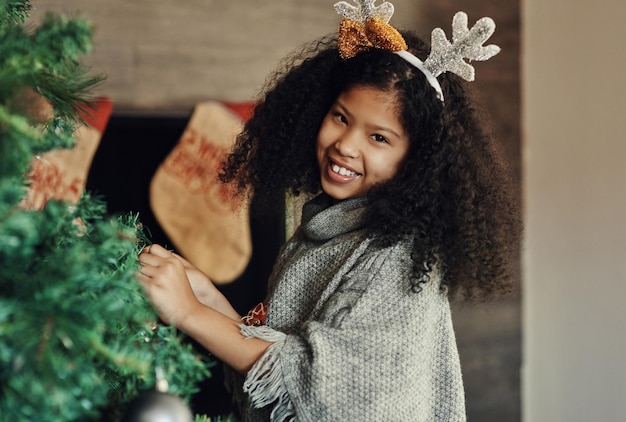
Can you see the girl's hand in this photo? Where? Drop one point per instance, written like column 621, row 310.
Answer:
column 202, row 287
column 164, row 276
column 165, row 281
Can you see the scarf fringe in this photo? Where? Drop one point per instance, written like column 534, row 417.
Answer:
column 263, row 383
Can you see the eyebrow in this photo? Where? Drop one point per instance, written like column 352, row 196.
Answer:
column 375, row 127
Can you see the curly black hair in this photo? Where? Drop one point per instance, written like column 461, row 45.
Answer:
column 452, row 194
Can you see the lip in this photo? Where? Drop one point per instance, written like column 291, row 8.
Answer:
column 338, row 178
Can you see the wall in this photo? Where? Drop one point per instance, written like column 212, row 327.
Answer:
column 575, row 192
column 168, row 55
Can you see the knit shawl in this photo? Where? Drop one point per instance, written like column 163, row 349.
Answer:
column 352, row 342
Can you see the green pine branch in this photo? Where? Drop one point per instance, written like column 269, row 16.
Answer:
column 14, row 11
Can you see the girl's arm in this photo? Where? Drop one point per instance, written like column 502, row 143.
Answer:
column 222, row 337
column 168, row 287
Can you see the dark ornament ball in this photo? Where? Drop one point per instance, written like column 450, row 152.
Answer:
column 155, row 406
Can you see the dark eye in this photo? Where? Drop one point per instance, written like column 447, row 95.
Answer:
column 340, row 117
column 379, row 138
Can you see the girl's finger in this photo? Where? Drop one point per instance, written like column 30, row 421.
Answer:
column 181, row 259
column 143, row 279
column 159, row 250
column 147, row 259
column 146, row 271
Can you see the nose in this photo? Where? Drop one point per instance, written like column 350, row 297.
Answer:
column 348, row 144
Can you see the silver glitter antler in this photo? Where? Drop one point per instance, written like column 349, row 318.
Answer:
column 466, row 43
column 364, row 9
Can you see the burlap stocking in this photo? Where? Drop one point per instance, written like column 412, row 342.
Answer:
column 197, row 212
column 62, row 174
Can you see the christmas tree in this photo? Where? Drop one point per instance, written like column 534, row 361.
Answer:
column 78, row 339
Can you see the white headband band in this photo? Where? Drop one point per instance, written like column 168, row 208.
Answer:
column 420, row 65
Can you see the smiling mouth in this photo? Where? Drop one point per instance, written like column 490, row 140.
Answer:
column 342, row 171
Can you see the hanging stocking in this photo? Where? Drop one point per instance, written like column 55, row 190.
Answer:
column 198, row 213
column 62, row 174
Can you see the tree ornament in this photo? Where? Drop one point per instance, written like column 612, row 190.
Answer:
column 158, row 405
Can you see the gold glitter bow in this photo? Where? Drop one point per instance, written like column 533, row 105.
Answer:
column 355, row 37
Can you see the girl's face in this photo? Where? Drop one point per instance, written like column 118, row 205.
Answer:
column 360, row 143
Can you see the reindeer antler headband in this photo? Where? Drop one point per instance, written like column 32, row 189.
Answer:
column 365, row 26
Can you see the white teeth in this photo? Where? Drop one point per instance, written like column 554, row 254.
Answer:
column 343, row 171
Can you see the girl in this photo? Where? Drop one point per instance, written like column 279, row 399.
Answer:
column 413, row 206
